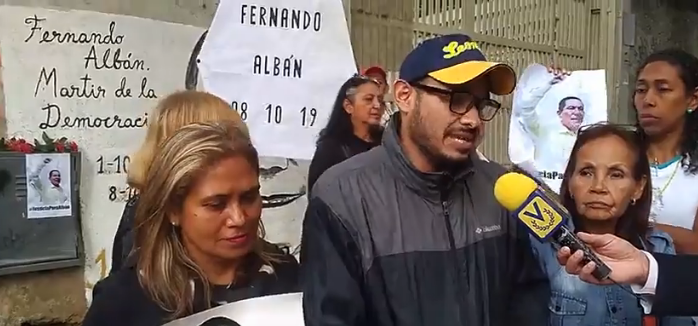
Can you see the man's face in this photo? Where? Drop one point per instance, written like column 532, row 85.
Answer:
column 443, row 136
column 55, row 178
column 572, row 114
column 380, row 79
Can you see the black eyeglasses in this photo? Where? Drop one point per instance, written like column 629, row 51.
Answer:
column 462, row 102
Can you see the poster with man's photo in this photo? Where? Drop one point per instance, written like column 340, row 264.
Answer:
column 48, row 185
column 549, row 108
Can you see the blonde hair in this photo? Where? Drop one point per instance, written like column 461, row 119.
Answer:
column 173, row 112
column 165, row 269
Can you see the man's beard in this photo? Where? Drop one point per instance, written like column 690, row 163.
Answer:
column 419, row 135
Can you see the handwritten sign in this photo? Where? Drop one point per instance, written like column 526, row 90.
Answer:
column 91, row 77
column 280, row 65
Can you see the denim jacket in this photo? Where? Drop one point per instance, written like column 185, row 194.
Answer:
column 576, row 303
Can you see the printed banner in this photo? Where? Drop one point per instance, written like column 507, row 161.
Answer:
column 274, row 310
column 546, row 116
column 280, row 65
column 48, row 185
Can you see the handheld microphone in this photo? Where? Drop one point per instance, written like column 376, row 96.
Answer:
column 543, row 216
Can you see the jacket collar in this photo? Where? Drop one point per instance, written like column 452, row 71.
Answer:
column 426, row 183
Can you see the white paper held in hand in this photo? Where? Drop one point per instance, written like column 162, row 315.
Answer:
column 273, row 310
column 547, row 115
column 280, row 64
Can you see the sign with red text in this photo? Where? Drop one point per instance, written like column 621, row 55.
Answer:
column 280, row 64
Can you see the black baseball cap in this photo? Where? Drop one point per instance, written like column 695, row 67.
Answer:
column 456, row 59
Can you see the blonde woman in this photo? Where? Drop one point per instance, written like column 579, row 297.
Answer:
column 199, row 234
column 173, row 112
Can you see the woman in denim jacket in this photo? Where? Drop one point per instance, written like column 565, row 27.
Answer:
column 606, row 188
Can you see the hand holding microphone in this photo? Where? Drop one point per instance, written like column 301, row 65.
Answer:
column 545, row 218
column 630, row 265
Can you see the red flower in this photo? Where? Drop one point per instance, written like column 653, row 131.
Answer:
column 25, row 147
column 48, row 145
column 60, row 147
column 13, row 145
column 73, row 146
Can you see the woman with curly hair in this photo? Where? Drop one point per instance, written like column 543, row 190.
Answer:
column 666, row 99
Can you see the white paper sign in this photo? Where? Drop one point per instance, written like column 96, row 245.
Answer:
column 546, row 116
column 273, row 310
column 280, row 64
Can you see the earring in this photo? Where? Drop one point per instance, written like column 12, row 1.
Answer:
column 689, row 110
column 633, row 201
column 173, row 223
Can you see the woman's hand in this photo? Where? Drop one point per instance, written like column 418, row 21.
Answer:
column 558, row 73
column 628, row 264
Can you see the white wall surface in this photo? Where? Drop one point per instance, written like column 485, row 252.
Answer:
column 163, row 50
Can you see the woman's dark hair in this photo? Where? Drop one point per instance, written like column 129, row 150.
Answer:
column 339, row 124
column 687, row 66
column 633, row 225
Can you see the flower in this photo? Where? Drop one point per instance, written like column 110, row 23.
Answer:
column 49, row 145
column 73, row 146
column 60, row 147
column 16, row 145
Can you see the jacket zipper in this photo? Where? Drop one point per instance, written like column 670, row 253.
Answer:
column 454, row 256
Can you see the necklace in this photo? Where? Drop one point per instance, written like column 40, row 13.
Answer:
column 673, row 174
column 655, row 165
column 657, row 194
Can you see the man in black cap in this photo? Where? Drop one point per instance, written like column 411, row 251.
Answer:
column 409, row 233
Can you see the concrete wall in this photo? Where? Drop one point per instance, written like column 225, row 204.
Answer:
column 3, row 124
column 664, row 23
column 658, row 24
column 58, row 297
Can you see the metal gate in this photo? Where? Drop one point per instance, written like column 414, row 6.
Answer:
column 574, row 34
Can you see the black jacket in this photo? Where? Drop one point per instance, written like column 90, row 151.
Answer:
column 677, row 285
column 119, row 300
column 330, row 151
column 386, row 245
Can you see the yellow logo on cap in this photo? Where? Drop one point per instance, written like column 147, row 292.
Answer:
column 454, row 49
